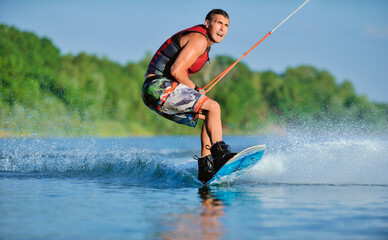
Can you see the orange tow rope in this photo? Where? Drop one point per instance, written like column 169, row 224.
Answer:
column 213, row 82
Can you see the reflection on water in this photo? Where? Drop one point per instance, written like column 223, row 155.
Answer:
column 204, row 224
column 212, row 210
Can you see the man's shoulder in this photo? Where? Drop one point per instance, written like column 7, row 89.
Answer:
column 195, row 38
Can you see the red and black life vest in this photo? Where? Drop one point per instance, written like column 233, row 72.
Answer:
column 166, row 55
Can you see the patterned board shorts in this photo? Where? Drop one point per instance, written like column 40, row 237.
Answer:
column 172, row 100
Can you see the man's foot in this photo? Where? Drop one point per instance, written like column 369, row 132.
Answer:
column 205, row 168
column 221, row 154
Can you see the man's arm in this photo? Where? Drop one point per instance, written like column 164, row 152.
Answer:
column 194, row 45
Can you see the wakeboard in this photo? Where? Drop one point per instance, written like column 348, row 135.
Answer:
column 237, row 165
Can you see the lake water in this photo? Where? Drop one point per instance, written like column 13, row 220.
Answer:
column 305, row 187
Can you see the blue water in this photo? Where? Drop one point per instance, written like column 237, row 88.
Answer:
column 305, row 187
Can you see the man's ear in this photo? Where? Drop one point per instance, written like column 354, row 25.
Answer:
column 207, row 23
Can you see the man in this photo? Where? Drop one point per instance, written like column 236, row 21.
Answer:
column 169, row 91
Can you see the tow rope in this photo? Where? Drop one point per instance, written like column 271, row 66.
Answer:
column 213, row 82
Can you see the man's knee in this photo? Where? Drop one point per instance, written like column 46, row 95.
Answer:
column 211, row 105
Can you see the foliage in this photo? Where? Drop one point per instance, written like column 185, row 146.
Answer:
column 43, row 92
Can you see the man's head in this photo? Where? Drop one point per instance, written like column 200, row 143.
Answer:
column 217, row 24
column 213, row 12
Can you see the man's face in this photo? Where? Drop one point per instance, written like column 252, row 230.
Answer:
column 217, row 28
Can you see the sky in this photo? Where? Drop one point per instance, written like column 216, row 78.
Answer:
column 348, row 38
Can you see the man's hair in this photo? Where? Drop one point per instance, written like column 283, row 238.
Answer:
column 213, row 12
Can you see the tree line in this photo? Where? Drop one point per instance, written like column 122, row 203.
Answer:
column 43, row 92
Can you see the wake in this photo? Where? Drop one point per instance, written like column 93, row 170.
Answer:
column 134, row 167
column 295, row 158
column 339, row 160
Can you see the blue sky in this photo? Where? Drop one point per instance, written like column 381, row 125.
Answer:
column 348, row 38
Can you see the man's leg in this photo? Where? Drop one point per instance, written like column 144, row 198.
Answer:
column 205, row 141
column 205, row 162
column 212, row 124
column 212, row 160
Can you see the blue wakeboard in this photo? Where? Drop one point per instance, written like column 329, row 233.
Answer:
column 237, row 165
